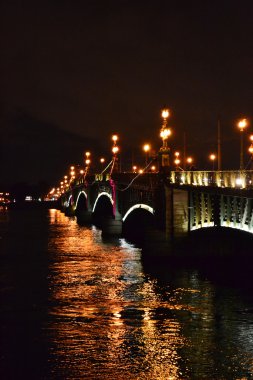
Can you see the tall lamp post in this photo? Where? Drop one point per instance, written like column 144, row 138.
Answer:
column 242, row 124
column 146, row 148
column 72, row 173
column 165, row 132
column 115, row 150
column 87, row 162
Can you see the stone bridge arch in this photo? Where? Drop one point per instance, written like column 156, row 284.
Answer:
column 138, row 206
column 103, row 208
column 81, row 202
column 137, row 220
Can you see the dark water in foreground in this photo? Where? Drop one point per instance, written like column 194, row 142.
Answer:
column 76, row 307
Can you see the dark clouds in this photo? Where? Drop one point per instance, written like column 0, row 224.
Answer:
column 96, row 67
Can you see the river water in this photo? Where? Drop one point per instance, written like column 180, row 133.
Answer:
column 74, row 306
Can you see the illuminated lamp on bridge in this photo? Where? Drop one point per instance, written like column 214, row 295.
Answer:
column 72, row 173
column 212, row 158
column 177, row 160
column 164, row 152
column 189, row 162
column 146, row 148
column 87, row 161
column 251, row 151
column 115, row 151
column 242, row 124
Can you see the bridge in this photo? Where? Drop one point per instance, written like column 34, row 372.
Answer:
column 170, row 202
column 173, row 203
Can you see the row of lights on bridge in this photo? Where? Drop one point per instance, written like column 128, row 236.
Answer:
column 165, row 133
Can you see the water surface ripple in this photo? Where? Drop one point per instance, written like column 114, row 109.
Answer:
column 76, row 307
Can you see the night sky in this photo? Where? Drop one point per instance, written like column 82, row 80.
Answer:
column 74, row 72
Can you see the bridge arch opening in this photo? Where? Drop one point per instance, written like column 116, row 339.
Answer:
column 137, row 221
column 81, row 202
column 103, row 208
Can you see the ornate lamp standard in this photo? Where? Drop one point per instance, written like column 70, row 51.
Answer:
column 242, row 124
column 87, row 162
column 115, row 150
column 165, row 132
column 72, row 173
column 177, row 160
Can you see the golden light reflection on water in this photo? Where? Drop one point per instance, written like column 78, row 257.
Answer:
column 78, row 307
column 109, row 320
column 106, row 313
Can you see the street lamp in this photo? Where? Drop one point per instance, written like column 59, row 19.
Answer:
column 212, row 158
column 102, row 161
column 114, row 139
column 251, row 149
column 87, row 161
column 177, row 160
column 72, row 173
column 115, row 150
column 165, row 132
column 146, row 148
column 242, row 124
column 189, row 161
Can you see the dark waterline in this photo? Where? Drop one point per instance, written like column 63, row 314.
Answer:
column 74, row 306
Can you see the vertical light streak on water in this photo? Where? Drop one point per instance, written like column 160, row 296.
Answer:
column 104, row 310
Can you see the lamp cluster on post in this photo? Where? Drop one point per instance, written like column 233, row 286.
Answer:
column 87, row 162
column 72, row 173
column 164, row 153
column 177, row 159
column 115, row 150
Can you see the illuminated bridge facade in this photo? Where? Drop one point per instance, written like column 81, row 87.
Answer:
column 173, row 204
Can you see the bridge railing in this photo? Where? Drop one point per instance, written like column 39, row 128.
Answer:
column 240, row 179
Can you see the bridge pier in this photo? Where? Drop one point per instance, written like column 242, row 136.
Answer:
column 70, row 211
column 161, row 239
column 111, row 227
column 176, row 214
column 84, row 217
